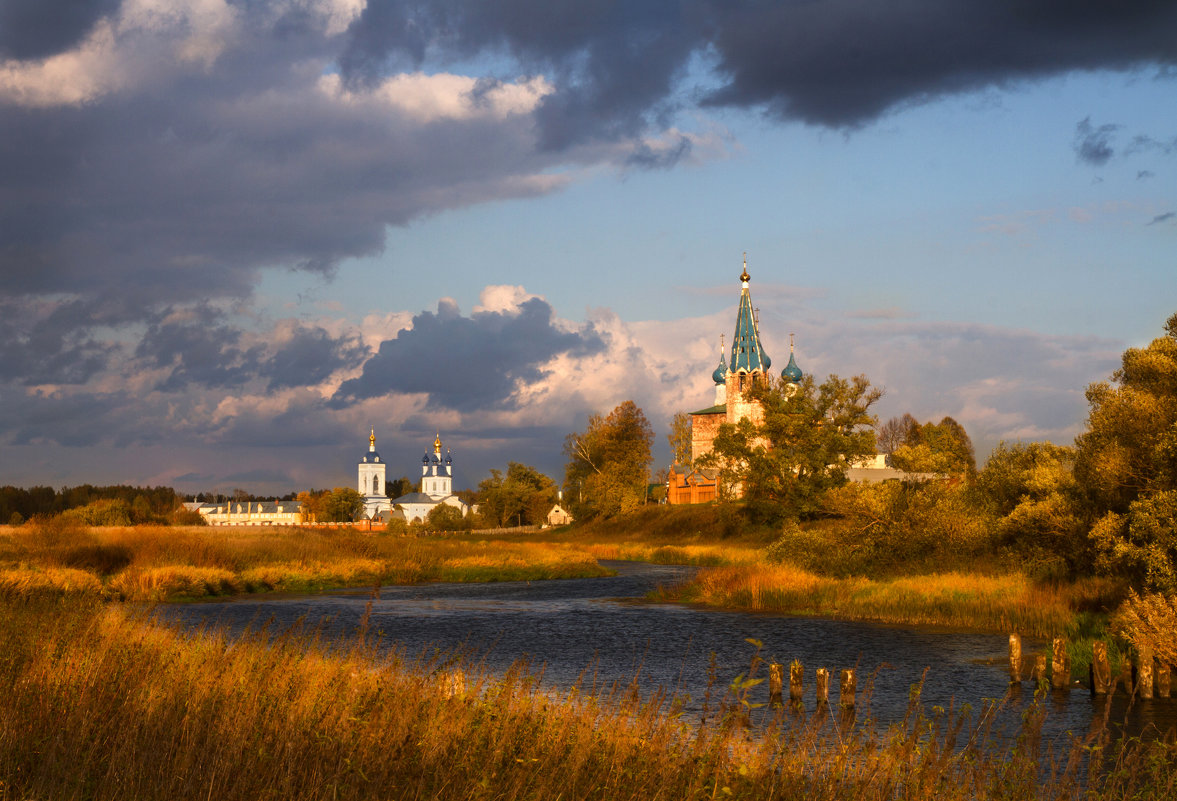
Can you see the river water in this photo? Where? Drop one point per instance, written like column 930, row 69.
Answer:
column 598, row 631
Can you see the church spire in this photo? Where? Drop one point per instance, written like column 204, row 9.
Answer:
column 748, row 354
column 372, row 440
column 437, row 443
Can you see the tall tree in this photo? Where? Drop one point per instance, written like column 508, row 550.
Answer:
column 609, row 462
column 1126, row 463
column 523, row 496
column 896, row 432
column 809, row 436
column 680, row 438
column 341, row 505
column 942, row 447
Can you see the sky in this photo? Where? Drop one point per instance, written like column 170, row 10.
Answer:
column 236, row 236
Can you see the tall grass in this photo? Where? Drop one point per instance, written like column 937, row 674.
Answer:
column 103, row 703
column 995, row 603
column 162, row 563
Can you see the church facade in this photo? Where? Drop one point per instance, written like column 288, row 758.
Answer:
column 744, row 367
column 437, row 486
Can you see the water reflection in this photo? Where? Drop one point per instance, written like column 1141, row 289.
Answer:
column 597, row 629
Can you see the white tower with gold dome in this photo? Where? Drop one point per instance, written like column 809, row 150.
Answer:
column 370, row 480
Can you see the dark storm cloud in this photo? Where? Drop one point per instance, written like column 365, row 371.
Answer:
column 39, row 28
column 310, row 356
column 199, row 350
column 467, row 363
column 837, row 63
column 1093, row 145
column 74, row 420
column 51, row 342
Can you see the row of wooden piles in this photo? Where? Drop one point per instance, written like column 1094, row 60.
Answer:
column 1144, row 675
column 847, row 687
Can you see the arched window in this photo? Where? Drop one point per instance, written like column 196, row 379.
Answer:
column 375, row 485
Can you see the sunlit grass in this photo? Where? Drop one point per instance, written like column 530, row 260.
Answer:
column 161, row 563
column 995, row 603
column 103, row 703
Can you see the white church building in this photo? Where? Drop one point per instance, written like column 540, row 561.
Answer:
column 437, row 478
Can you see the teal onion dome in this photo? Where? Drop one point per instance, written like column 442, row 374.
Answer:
column 792, row 373
column 720, row 374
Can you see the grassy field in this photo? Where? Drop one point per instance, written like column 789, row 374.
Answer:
column 150, row 563
column 103, row 703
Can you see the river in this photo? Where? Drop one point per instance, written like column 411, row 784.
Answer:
column 597, row 630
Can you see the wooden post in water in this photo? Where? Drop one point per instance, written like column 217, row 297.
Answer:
column 1060, row 665
column 1015, row 659
column 846, row 690
column 1101, row 671
column 796, row 681
column 776, row 682
column 1144, row 671
column 823, row 687
column 1163, row 680
column 1039, row 674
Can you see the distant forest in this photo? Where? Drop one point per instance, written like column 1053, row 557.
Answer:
column 24, row 504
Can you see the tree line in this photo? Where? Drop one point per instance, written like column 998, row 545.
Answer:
column 116, row 505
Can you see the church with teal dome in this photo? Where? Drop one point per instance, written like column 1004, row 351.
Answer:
column 745, row 365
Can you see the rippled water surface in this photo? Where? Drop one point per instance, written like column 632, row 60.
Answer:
column 598, row 629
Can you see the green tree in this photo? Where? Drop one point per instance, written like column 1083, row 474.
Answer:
column 1030, row 490
column 809, row 436
column 1126, row 464
column 609, row 463
column 942, row 447
column 341, row 505
column 521, row 497
column 680, row 438
column 444, row 517
column 395, row 489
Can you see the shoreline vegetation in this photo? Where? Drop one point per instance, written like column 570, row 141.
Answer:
column 151, row 563
column 104, row 702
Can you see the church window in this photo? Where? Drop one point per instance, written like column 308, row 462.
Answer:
column 375, row 490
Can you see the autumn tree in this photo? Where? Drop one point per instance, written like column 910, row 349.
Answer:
column 942, row 447
column 522, row 496
column 608, row 464
column 1031, row 491
column 680, row 438
column 809, row 436
column 1126, row 464
column 896, row 432
column 444, row 517
column 340, row 505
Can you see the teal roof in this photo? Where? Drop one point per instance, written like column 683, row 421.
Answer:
column 792, row 373
column 747, row 353
column 720, row 374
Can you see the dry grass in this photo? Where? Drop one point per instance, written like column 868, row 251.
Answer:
column 993, row 603
column 702, row 555
column 102, row 703
column 160, row 563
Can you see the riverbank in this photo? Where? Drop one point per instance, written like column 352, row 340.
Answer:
column 148, row 563
column 106, row 703
column 745, row 567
